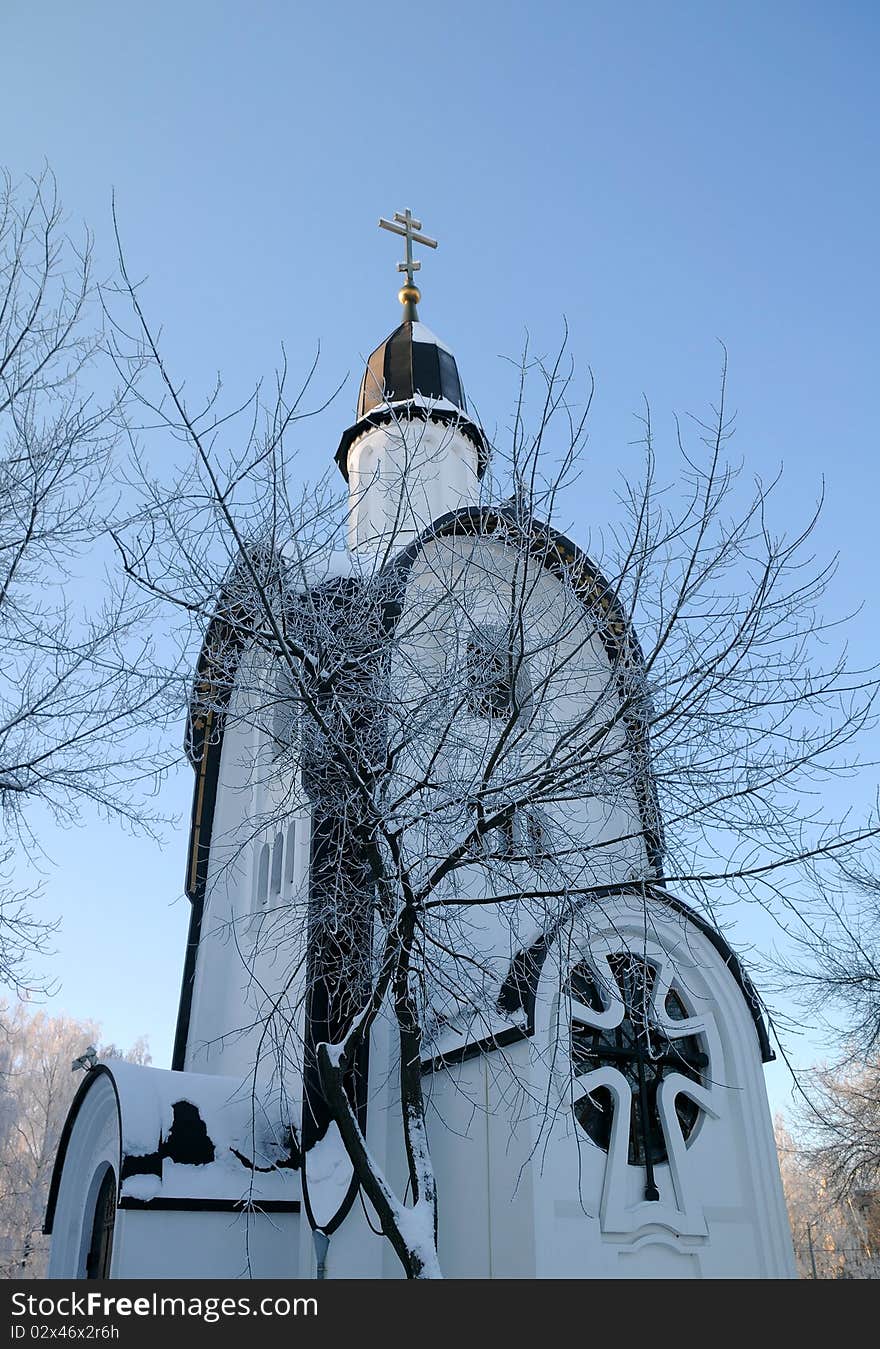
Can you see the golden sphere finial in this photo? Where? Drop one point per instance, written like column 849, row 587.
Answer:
column 409, row 294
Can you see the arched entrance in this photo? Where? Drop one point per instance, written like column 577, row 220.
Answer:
column 101, row 1241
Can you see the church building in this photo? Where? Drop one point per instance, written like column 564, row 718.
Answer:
column 591, row 1070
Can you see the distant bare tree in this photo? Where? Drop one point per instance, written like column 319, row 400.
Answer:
column 835, row 1221
column 833, row 964
column 75, row 696
column 37, row 1086
column 840, row 1120
column 483, row 750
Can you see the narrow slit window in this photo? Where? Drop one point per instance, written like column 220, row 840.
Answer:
column 537, row 841
column 290, row 855
column 277, row 862
column 284, row 712
column 503, row 841
column 261, row 888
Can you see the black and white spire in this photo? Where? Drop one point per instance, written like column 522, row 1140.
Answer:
column 412, row 374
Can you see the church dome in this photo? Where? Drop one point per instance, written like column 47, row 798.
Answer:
column 411, row 363
column 412, row 374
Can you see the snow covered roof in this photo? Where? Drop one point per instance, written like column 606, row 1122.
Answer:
column 401, row 406
column 192, row 1139
column 422, row 333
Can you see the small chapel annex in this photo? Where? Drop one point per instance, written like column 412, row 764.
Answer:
column 659, row 1160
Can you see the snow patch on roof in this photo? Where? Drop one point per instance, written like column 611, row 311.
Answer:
column 419, row 400
column 235, row 1121
column 421, row 333
column 144, row 1188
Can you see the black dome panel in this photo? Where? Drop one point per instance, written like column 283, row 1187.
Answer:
column 410, row 363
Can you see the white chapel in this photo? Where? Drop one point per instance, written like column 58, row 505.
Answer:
column 593, row 1082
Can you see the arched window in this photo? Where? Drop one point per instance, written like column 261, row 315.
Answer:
column 538, row 840
column 103, row 1220
column 497, row 679
column 290, row 856
column 285, row 711
column 261, row 888
column 277, row 862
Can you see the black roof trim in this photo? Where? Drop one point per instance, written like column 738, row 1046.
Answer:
column 519, row 990
column 417, row 412
column 499, row 1040
column 203, row 743
column 100, row 1070
column 734, row 964
column 200, row 1205
column 560, row 555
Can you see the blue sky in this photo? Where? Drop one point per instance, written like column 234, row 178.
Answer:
column 661, row 175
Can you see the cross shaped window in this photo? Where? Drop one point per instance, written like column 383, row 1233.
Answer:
column 642, row 1050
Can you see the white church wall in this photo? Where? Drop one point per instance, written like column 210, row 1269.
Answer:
column 485, row 1198
column 403, row 475
column 203, row 1245
column 254, row 919
column 461, row 584
column 454, row 586
column 221, row 974
column 253, row 928
column 721, row 1202
column 525, row 1193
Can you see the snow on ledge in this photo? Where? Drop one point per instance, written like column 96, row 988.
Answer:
column 236, row 1127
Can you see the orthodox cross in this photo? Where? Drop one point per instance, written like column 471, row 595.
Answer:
column 405, row 224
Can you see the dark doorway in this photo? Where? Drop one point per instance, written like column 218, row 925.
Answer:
column 101, row 1243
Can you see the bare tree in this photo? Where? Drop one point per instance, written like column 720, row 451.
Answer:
column 840, row 1127
column 37, row 1086
column 483, row 745
column 831, row 968
column 75, row 697
column 833, row 965
column 836, row 1229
